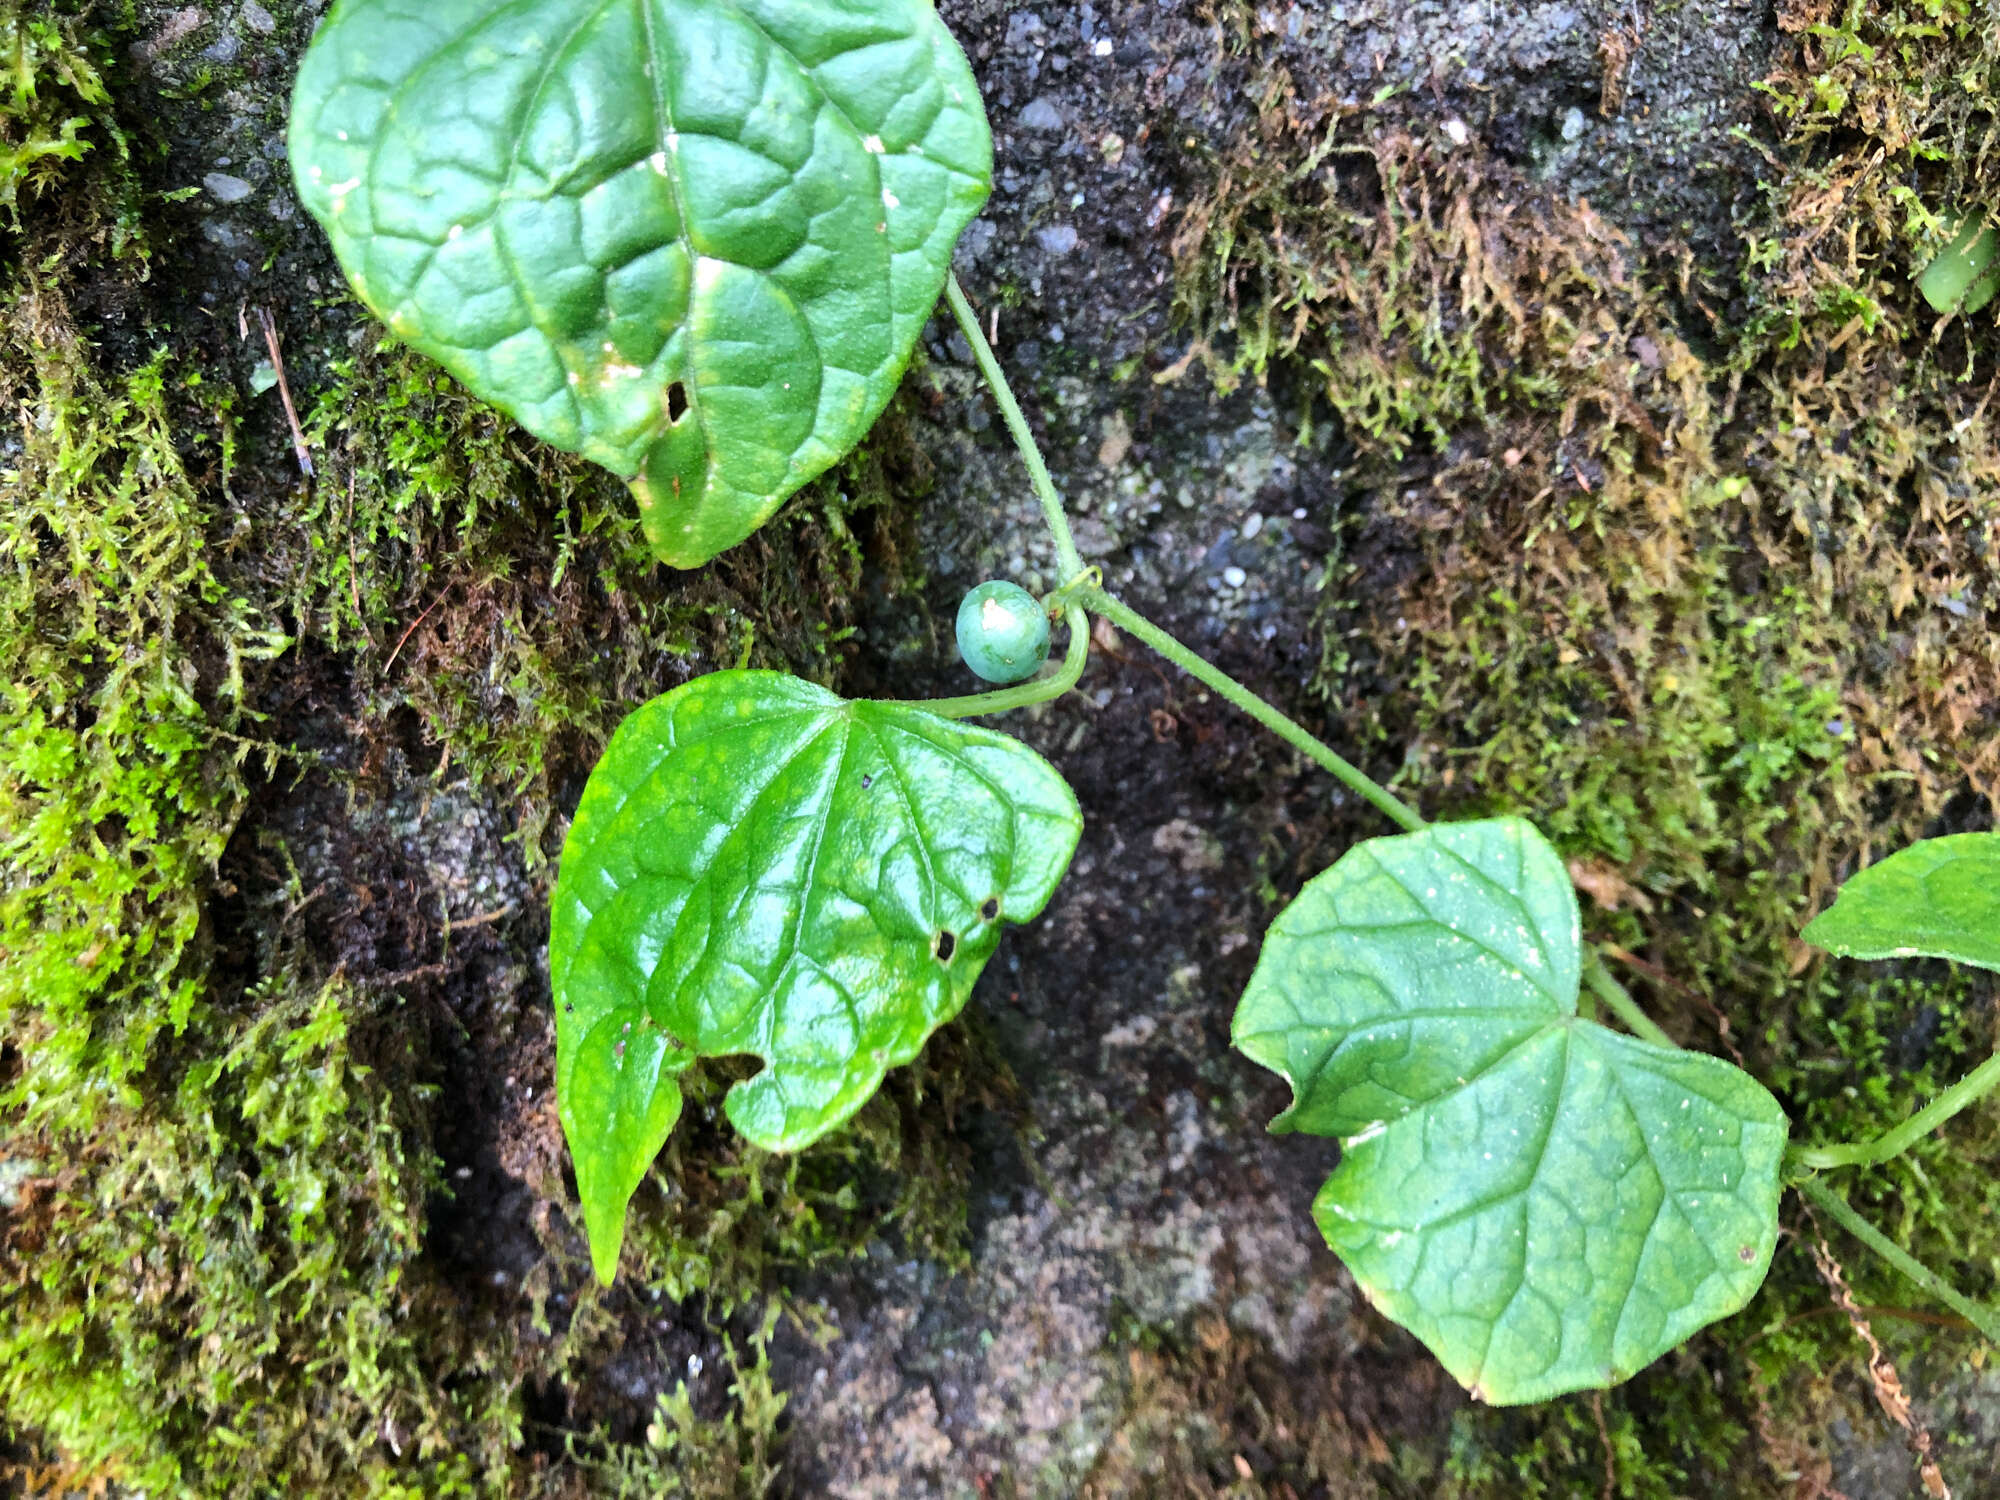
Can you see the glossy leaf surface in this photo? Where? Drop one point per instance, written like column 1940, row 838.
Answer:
column 692, row 240
column 1939, row 898
column 1549, row 1205
column 760, row 867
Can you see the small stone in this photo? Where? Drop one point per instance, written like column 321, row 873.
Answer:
column 1252, row 526
column 177, row 28
column 225, row 188
column 1573, row 124
column 259, row 19
column 1057, row 239
column 1041, row 114
column 1234, row 577
column 1456, row 132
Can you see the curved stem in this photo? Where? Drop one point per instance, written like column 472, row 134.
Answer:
column 1618, row 1000
column 1969, row 1090
column 1071, row 565
column 1357, row 780
column 1069, row 562
column 1022, row 694
column 1817, row 1193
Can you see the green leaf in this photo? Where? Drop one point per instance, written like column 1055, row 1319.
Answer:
column 692, row 240
column 1548, row 1204
column 1939, row 898
column 759, row 867
column 1963, row 277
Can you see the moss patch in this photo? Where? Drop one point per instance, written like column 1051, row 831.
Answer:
column 222, row 1132
column 502, row 592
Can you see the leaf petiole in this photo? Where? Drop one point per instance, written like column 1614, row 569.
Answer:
column 1069, row 560
column 1618, row 1000
column 1353, row 777
column 1025, row 694
column 1817, row 1193
column 1084, row 586
column 1968, row 1091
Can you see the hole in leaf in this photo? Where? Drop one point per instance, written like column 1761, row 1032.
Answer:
column 677, row 401
column 945, row 946
column 867, row 781
column 989, row 908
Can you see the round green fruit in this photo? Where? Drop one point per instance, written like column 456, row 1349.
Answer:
column 1003, row 632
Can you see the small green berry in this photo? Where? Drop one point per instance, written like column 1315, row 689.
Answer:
column 1003, row 632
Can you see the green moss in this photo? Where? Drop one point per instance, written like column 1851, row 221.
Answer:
column 215, row 1295
column 205, row 1264
column 217, row 1150
column 49, row 85
column 121, row 728
column 684, row 1453
column 504, row 592
column 55, row 108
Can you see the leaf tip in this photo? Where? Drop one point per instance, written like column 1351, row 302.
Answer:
column 604, row 1226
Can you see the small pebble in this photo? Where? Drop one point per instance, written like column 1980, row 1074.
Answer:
column 1041, row 115
column 225, row 188
column 1235, row 577
column 1252, row 526
column 1057, row 239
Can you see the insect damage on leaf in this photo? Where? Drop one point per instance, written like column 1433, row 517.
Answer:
column 1548, row 1204
column 692, row 240
column 760, row 867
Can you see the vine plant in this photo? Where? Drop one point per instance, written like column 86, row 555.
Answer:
column 696, row 241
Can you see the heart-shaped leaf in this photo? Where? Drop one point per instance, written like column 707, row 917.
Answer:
column 692, row 240
column 1936, row 899
column 1549, row 1205
column 760, row 867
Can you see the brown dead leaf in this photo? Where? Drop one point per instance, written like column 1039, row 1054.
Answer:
column 1607, row 887
column 1117, row 444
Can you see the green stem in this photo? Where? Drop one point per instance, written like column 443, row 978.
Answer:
column 1619, row 1001
column 1069, row 562
column 1973, row 1087
column 1600, row 980
column 1024, row 694
column 1817, row 1193
column 1357, row 780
